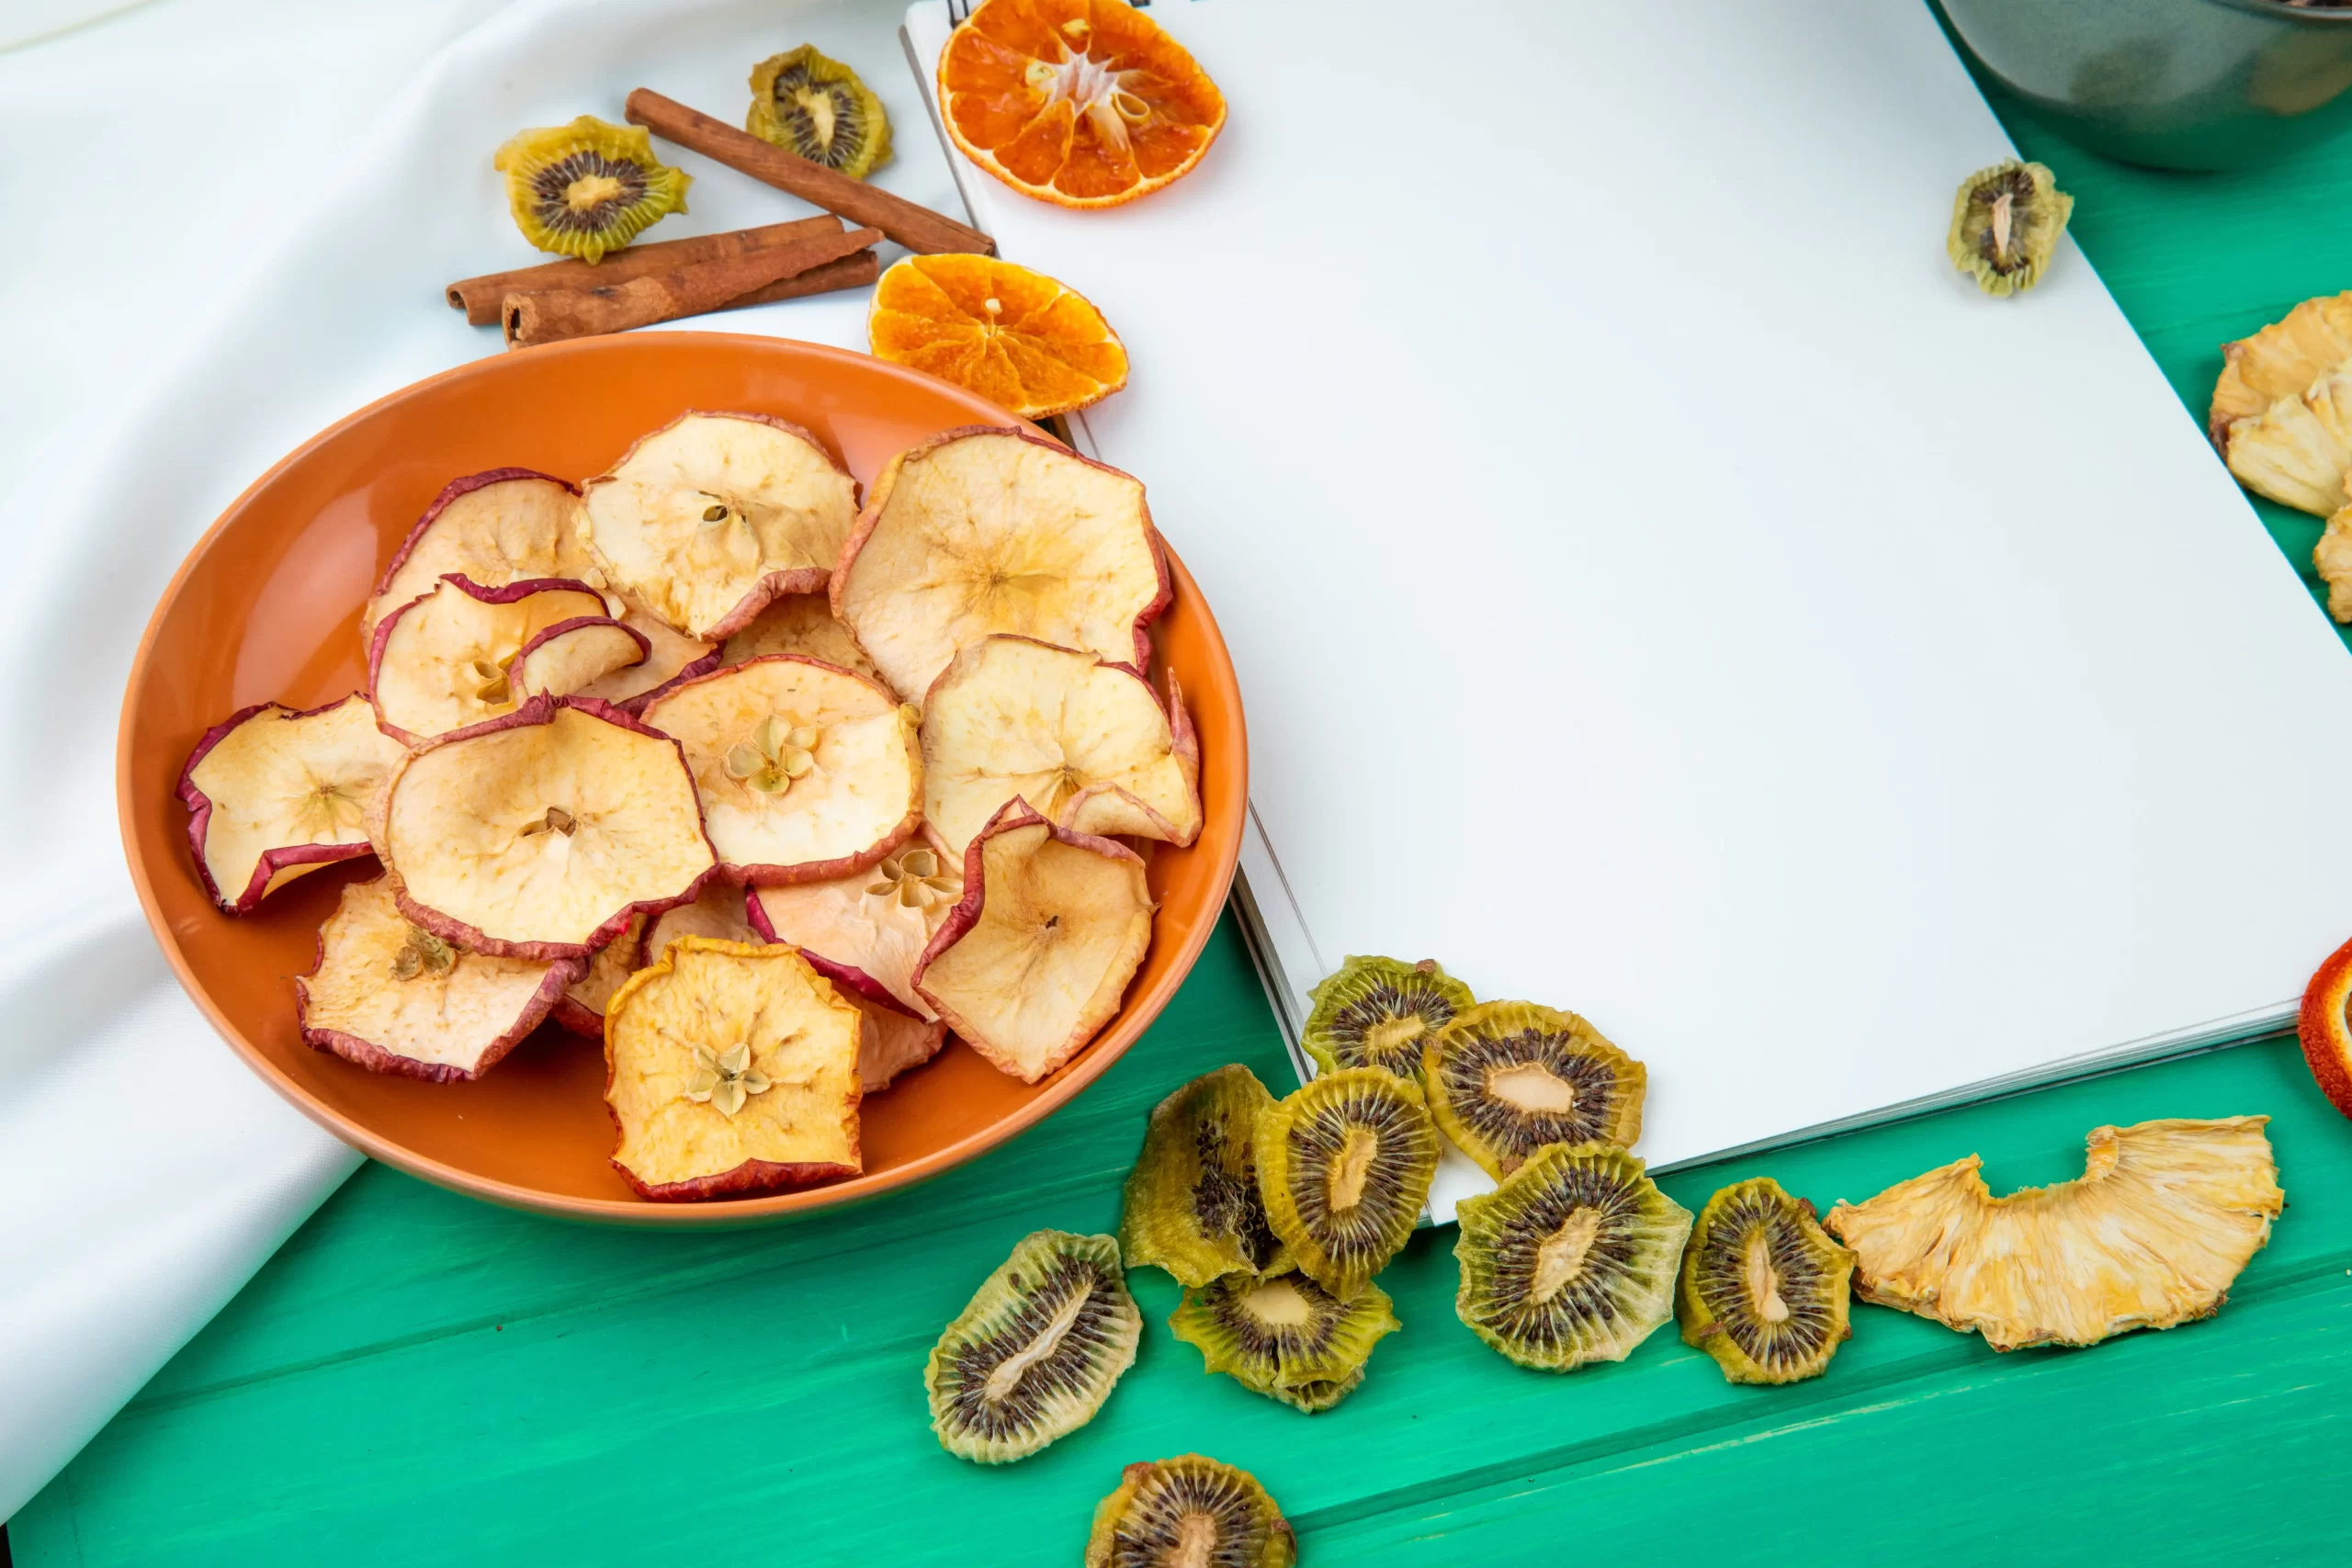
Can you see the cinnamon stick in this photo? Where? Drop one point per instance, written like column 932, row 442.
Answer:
column 480, row 298
column 552, row 315
column 917, row 228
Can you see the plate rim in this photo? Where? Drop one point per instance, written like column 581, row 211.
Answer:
column 731, row 1213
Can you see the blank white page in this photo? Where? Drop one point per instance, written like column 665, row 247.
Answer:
column 1663, row 588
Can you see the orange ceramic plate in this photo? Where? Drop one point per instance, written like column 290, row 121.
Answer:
column 266, row 606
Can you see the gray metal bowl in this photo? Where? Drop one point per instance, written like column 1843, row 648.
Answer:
column 2176, row 84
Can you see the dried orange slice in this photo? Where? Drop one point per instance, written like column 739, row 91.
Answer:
column 1016, row 337
column 1082, row 103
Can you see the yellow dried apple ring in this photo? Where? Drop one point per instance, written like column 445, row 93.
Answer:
column 272, row 794
column 978, row 531
column 876, row 922
column 731, row 1068
column 807, row 771
column 581, row 1009
column 708, row 519
column 802, row 624
column 495, row 527
column 896, row 1038
column 539, row 834
column 1083, row 742
column 394, row 999
column 1035, row 960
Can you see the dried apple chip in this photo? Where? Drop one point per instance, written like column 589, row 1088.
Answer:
column 395, row 998
column 581, row 1009
column 895, row 1038
column 445, row 660
column 2282, row 360
column 1035, row 960
column 273, row 793
column 805, row 772
column 672, row 659
column 1085, row 743
column 979, row 530
column 711, row 516
column 2151, row 1235
column 876, row 921
column 804, row 624
column 493, row 528
column 731, row 1068
column 574, row 654
column 539, row 834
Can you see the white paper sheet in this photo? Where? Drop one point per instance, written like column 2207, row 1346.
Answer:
column 1662, row 587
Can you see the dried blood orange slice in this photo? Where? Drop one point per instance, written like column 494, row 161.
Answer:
column 1082, row 103
column 1016, row 337
column 2325, row 1029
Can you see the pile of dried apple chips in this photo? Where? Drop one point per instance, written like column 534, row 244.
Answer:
column 771, row 790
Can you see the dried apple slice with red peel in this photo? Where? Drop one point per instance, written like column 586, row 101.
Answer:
column 876, row 921
column 894, row 1039
column 574, row 654
column 1085, row 743
column 800, row 623
column 504, row 525
column 540, row 833
column 395, row 998
column 982, row 530
column 731, row 1068
column 807, row 771
column 709, row 518
column 672, row 660
column 581, row 1009
column 443, row 662
column 273, row 793
column 1035, row 960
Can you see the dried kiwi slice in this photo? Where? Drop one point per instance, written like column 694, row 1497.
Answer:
column 2005, row 225
column 1036, row 1352
column 1374, row 1012
column 1315, row 1398
column 1191, row 1202
column 588, row 188
column 1506, row 1078
column 1344, row 1167
column 1764, row 1289
column 817, row 108
column 1571, row 1259
column 1190, row 1511
column 1285, row 1335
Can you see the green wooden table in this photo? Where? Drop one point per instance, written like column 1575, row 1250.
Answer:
column 417, row 1378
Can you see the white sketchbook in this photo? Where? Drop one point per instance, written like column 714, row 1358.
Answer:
column 1663, row 588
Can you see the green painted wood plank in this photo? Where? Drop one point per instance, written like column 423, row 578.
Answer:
column 419, row 1378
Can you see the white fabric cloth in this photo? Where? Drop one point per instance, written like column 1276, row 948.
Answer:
column 143, row 1173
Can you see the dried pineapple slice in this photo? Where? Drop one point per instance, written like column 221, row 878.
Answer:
column 2281, row 361
column 2152, row 1234
column 731, row 1068
column 2297, row 451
